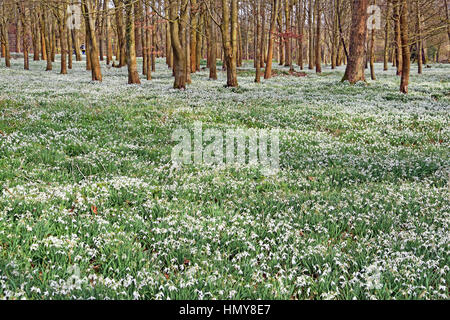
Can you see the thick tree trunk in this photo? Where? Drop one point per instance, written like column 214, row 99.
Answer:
column 179, row 59
column 355, row 67
column 229, row 41
column 6, row 44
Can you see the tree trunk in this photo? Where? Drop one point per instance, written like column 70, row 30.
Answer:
column 91, row 41
column 311, row 36
column 109, row 51
column 398, row 40
column 229, row 40
column 405, row 47
column 301, row 28
column 133, row 75
column 45, row 28
column 120, row 34
column 69, row 48
column 419, row 39
column 62, row 34
column 213, row 47
column 355, row 67
column 76, row 45
column 387, row 39
column 318, row 36
column 179, row 60
column 268, row 71
column 193, row 36
column 258, row 34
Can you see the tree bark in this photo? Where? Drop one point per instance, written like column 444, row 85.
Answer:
column 398, row 40
column 387, row 39
column 257, row 47
column 133, row 75
column 213, row 47
column 91, row 41
column 318, row 57
column 179, row 60
column 268, row 71
column 355, row 67
column 405, row 47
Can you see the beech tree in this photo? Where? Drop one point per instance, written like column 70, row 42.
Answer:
column 294, row 33
column 355, row 67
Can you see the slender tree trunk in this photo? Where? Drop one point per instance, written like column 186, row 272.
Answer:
column 301, row 26
column 288, row 31
column 133, row 75
column 62, row 35
column 268, row 71
column 76, row 45
column 186, row 45
column 35, row 36
column 398, row 40
column 318, row 36
column 25, row 26
column 387, row 39
column 120, row 34
column 419, row 38
column 372, row 55
column 193, row 36
column 149, row 45
column 69, row 48
column 45, row 28
column 109, row 51
column 262, row 47
column 405, row 47
column 447, row 15
column 91, row 41
column 257, row 7
column 311, row 37
column 213, row 47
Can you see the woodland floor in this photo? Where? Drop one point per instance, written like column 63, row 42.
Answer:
column 91, row 207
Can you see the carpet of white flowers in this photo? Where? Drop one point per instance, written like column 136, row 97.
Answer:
column 91, row 206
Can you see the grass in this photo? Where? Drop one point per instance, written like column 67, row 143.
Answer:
column 91, row 206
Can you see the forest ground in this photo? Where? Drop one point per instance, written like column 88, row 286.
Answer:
column 91, row 206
